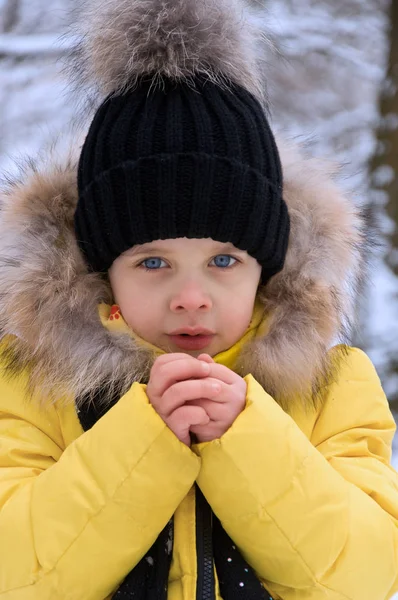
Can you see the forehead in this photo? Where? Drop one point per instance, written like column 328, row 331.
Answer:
column 183, row 245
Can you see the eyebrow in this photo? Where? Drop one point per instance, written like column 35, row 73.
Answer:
column 145, row 249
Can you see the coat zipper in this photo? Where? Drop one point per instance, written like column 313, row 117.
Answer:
column 205, row 584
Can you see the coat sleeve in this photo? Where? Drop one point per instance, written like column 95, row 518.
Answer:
column 315, row 519
column 75, row 520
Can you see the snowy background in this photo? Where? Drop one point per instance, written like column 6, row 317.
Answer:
column 336, row 88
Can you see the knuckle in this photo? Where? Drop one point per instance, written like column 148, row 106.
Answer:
column 162, row 370
column 183, row 412
column 150, row 392
column 212, row 387
column 179, row 418
column 165, row 400
column 186, row 413
column 175, row 392
column 205, row 388
column 152, row 387
column 155, row 367
column 161, row 362
column 163, row 359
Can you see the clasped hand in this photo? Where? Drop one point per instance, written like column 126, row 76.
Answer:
column 195, row 395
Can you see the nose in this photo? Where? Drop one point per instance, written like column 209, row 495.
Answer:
column 190, row 297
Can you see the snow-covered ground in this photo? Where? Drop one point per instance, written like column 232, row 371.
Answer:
column 325, row 92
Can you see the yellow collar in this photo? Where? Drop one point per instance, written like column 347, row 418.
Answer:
column 112, row 320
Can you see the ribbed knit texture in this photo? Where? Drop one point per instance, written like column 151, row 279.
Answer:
column 184, row 160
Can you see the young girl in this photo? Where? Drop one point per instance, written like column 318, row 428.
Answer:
column 173, row 420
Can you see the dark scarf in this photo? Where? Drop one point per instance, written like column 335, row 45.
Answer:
column 148, row 580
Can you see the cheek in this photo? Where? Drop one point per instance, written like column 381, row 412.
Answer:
column 139, row 309
column 136, row 311
column 237, row 313
column 142, row 315
column 127, row 297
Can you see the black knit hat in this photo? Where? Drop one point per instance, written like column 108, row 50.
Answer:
column 187, row 159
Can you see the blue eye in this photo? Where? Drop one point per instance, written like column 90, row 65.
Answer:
column 152, row 264
column 223, row 261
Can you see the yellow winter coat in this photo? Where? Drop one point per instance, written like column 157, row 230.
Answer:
column 310, row 499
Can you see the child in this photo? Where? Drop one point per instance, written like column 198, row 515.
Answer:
column 172, row 421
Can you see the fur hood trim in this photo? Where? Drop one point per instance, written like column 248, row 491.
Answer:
column 120, row 41
column 49, row 302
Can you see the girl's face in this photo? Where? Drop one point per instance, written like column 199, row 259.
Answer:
column 168, row 288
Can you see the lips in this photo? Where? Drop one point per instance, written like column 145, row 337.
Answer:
column 192, row 331
column 197, row 341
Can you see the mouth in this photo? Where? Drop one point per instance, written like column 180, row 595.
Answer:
column 186, row 341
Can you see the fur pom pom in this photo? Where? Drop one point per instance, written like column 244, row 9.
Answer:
column 123, row 40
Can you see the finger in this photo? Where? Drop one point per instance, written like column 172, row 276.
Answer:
column 183, row 418
column 178, row 370
column 207, row 433
column 222, row 373
column 184, row 391
column 219, row 371
column 170, row 357
column 215, row 410
column 206, row 358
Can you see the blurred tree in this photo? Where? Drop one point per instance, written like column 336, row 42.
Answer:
column 10, row 14
column 383, row 174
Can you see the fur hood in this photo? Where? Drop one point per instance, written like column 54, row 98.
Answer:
column 48, row 300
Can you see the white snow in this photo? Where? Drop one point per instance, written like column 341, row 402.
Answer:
column 32, row 45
